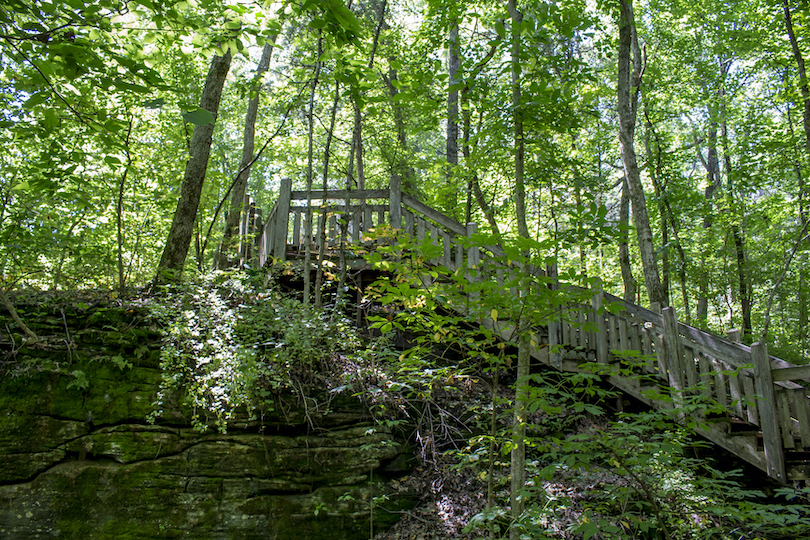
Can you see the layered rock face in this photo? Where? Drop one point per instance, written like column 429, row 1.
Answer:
column 79, row 460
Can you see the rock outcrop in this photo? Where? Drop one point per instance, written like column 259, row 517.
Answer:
column 78, row 459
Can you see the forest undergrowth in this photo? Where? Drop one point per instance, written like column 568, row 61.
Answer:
column 237, row 343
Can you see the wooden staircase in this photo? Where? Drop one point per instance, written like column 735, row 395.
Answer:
column 767, row 410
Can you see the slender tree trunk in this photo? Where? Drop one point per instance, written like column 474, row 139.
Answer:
column 474, row 185
column 628, row 90
column 323, row 218
column 401, row 166
column 739, row 239
column 654, row 168
column 520, row 188
column 518, row 455
column 630, row 284
column 308, row 236
column 451, row 146
column 666, row 208
column 119, row 213
column 179, row 240
column 712, row 166
column 802, row 195
column 238, row 193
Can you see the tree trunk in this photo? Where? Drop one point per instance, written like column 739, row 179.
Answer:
column 323, row 218
column 628, row 90
column 400, row 166
column 654, row 169
column 666, row 209
column 630, row 284
column 179, row 240
column 308, row 236
column 739, row 240
column 474, row 185
column 238, row 198
column 520, row 188
column 518, row 454
column 119, row 213
column 802, row 195
column 453, row 64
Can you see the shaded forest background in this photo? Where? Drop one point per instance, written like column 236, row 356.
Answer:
column 506, row 114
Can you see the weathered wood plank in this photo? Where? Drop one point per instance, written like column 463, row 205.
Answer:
column 409, row 217
column 423, row 209
column 750, row 399
column 282, row 219
column 774, row 455
column 736, row 394
column 601, row 325
column 447, row 249
column 296, row 231
column 355, row 227
column 783, row 404
column 672, row 349
column 721, row 385
column 368, row 222
column 690, row 366
column 800, row 405
column 334, row 194
column 706, row 376
column 791, row 373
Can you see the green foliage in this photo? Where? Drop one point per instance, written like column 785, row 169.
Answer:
column 202, row 359
column 233, row 346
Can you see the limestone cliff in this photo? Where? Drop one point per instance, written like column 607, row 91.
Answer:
column 78, row 459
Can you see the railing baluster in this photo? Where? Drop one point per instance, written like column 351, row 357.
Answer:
column 750, row 399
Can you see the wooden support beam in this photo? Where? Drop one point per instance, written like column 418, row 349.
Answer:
column 430, row 213
column 282, row 220
column 672, row 350
column 769, row 423
column 341, row 194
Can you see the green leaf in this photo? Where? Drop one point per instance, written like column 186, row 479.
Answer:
column 35, row 100
column 199, row 117
column 317, row 24
column 154, row 103
column 51, row 120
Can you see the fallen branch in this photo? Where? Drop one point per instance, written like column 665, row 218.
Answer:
column 16, row 316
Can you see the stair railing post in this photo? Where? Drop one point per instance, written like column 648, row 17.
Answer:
column 601, row 324
column 768, row 416
column 673, row 354
column 282, row 219
column 734, row 335
column 395, row 202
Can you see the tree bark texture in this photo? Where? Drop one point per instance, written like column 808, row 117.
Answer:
column 627, row 89
column 453, row 64
column 520, row 188
column 630, row 283
column 518, row 454
column 308, row 236
column 179, row 240
column 802, row 188
column 238, row 199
